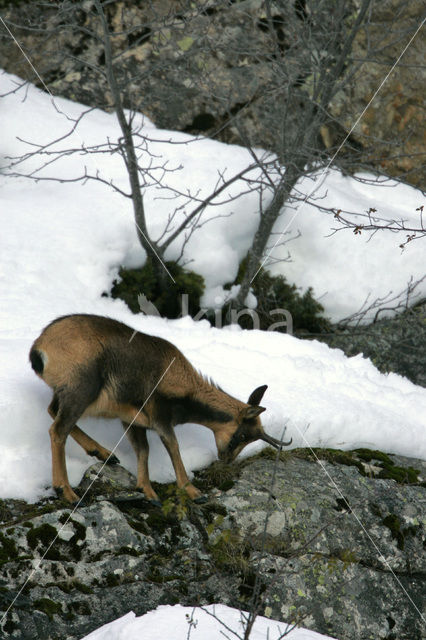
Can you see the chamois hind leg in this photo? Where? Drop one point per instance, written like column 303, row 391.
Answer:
column 91, row 447
column 59, row 431
column 170, row 442
column 138, row 438
column 68, row 405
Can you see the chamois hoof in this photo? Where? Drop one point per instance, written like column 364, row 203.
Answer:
column 155, row 502
column 112, row 459
column 201, row 500
column 72, row 498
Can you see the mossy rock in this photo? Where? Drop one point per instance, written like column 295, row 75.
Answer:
column 230, row 552
column 358, row 457
column 45, row 534
column 8, row 550
column 49, row 607
column 395, row 344
column 218, row 475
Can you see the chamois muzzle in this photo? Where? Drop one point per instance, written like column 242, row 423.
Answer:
column 278, row 444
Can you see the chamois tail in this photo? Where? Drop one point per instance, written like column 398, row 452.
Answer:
column 37, row 361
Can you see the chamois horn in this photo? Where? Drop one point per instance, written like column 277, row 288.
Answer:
column 278, row 444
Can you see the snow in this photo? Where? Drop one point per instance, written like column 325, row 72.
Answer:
column 212, row 622
column 344, row 269
column 61, row 246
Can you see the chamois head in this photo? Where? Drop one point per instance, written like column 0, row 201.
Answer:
column 247, row 428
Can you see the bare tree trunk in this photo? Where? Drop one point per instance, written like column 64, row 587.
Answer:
column 300, row 153
column 153, row 250
column 263, row 233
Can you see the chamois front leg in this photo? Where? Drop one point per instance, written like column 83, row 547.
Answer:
column 92, row 447
column 170, row 442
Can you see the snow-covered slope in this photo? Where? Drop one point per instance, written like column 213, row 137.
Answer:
column 208, row 623
column 61, row 246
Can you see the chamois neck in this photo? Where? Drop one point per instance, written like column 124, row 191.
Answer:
column 218, row 406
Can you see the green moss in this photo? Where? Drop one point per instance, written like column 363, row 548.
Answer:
column 393, row 523
column 218, row 475
column 10, row 626
column 373, row 454
column 158, row 578
column 230, row 552
column 347, row 556
column 274, row 292
column 80, row 607
column 271, row 454
column 138, row 526
column 226, row 485
column 14, row 512
column 11, row 3
column 44, row 535
column 80, row 531
column 65, row 587
column 8, row 550
column 335, row 456
column 129, row 551
column 358, row 458
column 49, row 607
column 402, row 475
column 167, row 300
column 158, row 521
column 112, row 580
column 63, row 518
column 82, row 587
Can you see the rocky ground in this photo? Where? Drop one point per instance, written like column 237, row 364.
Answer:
column 333, row 540
column 395, row 344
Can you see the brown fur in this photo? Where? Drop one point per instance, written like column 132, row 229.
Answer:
column 96, row 368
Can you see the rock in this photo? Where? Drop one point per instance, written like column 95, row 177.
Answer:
column 348, row 562
column 395, row 344
column 396, row 111
column 106, row 478
column 196, row 68
column 346, row 550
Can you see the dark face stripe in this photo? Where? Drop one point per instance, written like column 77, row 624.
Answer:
column 177, row 410
column 243, row 435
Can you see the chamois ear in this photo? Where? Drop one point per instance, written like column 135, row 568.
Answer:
column 257, row 395
column 253, row 412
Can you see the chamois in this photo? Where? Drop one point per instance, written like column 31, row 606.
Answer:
column 98, row 366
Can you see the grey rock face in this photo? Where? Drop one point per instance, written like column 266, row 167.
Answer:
column 339, row 549
column 320, row 543
column 195, row 66
column 393, row 344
